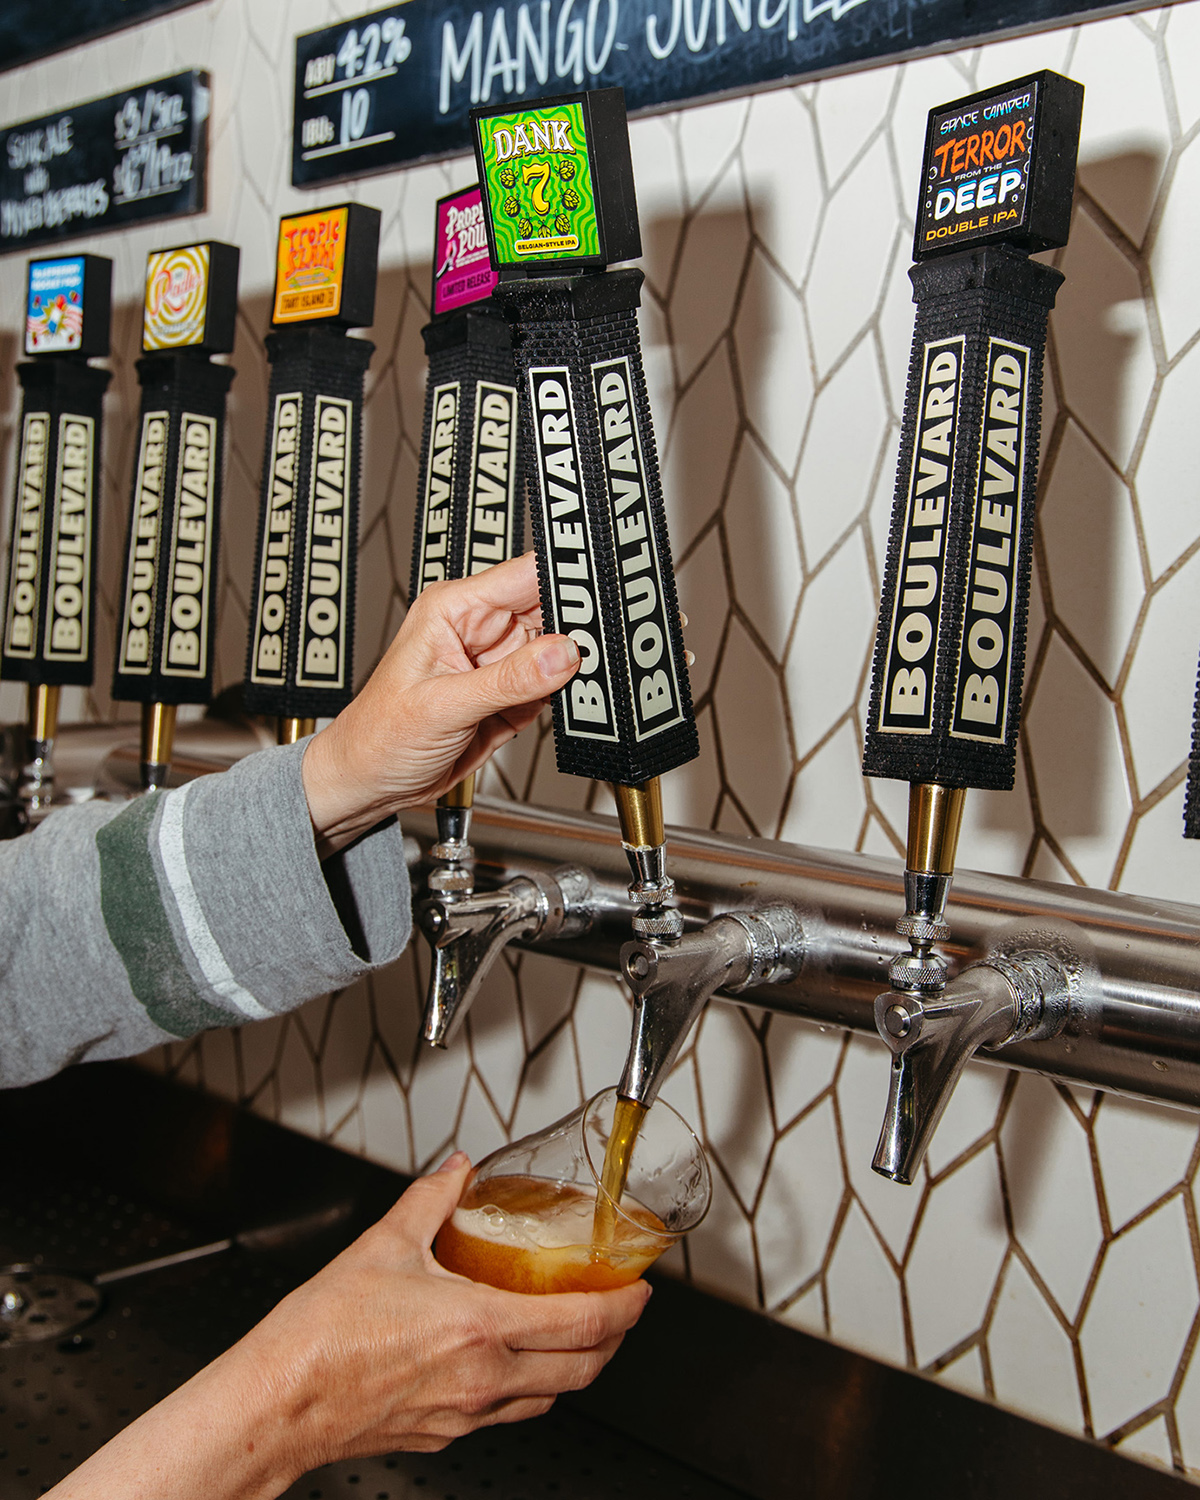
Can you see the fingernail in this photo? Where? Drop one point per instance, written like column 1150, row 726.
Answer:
column 452, row 1163
column 649, row 1292
column 690, row 658
column 683, row 619
column 557, row 656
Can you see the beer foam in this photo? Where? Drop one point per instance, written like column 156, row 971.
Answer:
column 569, row 1223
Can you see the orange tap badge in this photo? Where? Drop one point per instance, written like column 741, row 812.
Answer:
column 310, row 265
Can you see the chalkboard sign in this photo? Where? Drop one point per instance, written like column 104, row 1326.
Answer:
column 397, row 85
column 140, row 154
column 32, row 28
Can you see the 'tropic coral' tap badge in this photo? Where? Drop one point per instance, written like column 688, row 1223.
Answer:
column 540, row 188
column 176, row 298
column 311, row 265
column 54, row 315
column 462, row 267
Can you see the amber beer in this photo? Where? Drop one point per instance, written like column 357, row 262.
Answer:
column 529, row 1234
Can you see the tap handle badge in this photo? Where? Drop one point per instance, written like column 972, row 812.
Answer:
column 561, row 208
column 300, row 652
column 950, row 649
column 470, row 497
column 167, row 622
column 49, row 623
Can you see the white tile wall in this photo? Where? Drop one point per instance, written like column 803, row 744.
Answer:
column 1048, row 1258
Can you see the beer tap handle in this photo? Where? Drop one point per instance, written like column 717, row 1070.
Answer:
column 167, row 623
column 300, row 651
column 561, row 208
column 949, row 656
column 49, row 625
column 945, row 704
column 470, row 504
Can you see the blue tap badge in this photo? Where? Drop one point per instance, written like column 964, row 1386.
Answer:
column 54, row 312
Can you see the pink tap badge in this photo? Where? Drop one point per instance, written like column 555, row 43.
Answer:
column 462, row 268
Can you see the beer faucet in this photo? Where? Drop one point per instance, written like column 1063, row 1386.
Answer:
column 949, row 654
column 673, row 976
column 933, row 1034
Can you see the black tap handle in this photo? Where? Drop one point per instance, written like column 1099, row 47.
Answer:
column 300, row 656
column 950, row 649
column 470, row 504
column 599, row 525
column 49, row 625
column 167, row 622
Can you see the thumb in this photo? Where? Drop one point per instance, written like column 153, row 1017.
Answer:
column 526, row 675
column 429, row 1202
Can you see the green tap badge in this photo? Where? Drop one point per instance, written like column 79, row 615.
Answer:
column 540, row 181
column 558, row 183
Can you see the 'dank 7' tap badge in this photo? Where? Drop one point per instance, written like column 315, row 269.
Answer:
column 540, row 188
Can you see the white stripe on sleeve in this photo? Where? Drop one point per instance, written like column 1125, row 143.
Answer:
column 204, row 945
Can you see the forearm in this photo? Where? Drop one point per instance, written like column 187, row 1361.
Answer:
column 233, row 1432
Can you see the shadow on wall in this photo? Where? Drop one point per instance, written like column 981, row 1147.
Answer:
column 1083, row 523
column 717, row 483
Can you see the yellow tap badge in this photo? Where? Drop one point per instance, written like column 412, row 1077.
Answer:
column 311, row 265
column 176, row 306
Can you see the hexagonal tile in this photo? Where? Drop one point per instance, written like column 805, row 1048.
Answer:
column 1102, row 340
column 1168, row 491
column 1144, row 1151
column 1091, row 542
column 959, row 1248
column 802, row 1194
column 1033, row 1364
column 842, row 452
column 1047, row 1165
column 737, row 1119
column 774, row 366
column 786, row 223
column 853, row 255
column 1139, row 1318
column 834, row 634
column 1077, row 759
column 764, row 552
column 865, row 1310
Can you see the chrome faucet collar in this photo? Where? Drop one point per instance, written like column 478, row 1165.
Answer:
column 933, row 1036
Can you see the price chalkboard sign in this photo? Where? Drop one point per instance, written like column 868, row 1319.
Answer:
column 397, row 85
column 137, row 155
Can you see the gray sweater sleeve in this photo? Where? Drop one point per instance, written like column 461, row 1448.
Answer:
column 126, row 925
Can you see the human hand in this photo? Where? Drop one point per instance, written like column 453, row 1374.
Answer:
column 382, row 1350
column 467, row 671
